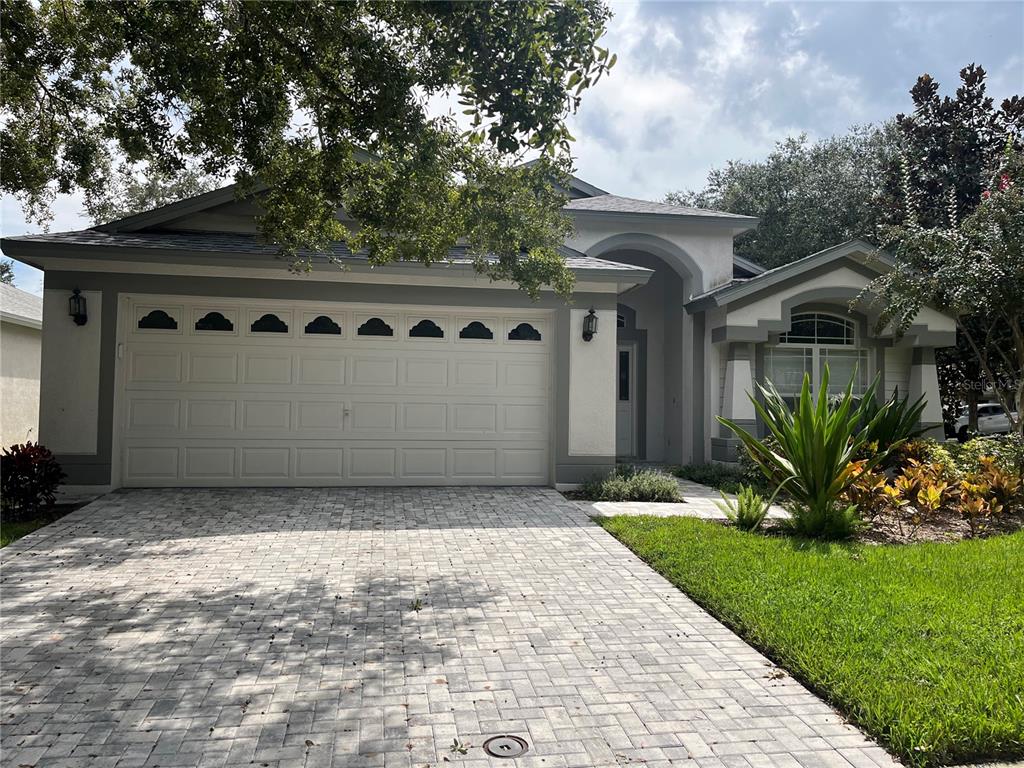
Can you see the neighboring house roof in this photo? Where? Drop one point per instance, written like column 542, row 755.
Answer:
column 20, row 307
column 738, row 289
column 632, row 205
column 238, row 244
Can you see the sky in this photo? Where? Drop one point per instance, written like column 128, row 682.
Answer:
column 699, row 84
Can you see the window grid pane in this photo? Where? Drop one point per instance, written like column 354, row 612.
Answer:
column 786, row 366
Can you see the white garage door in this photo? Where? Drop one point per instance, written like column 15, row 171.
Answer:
column 234, row 392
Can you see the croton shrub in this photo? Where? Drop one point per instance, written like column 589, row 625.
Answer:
column 981, row 481
column 29, row 476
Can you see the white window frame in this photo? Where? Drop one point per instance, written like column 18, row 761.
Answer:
column 818, row 352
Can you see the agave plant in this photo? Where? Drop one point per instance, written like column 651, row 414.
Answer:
column 815, row 447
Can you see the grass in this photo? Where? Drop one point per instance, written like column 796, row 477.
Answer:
column 632, row 484
column 921, row 645
column 11, row 532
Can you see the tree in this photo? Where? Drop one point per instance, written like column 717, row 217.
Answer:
column 971, row 267
column 7, row 271
column 297, row 96
column 134, row 193
column 950, row 146
column 807, row 195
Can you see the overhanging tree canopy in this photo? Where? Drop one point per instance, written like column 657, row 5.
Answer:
column 292, row 93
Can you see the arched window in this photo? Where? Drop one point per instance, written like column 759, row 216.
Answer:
column 524, row 332
column 158, row 320
column 814, row 340
column 476, row 330
column 322, row 324
column 375, row 327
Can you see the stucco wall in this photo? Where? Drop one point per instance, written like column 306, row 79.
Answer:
column 19, row 383
column 70, row 388
column 704, row 249
column 592, row 386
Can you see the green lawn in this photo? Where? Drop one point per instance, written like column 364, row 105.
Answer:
column 10, row 532
column 921, row 645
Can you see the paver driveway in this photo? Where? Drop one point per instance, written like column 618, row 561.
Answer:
column 278, row 628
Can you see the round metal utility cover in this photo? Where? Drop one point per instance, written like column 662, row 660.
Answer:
column 505, row 746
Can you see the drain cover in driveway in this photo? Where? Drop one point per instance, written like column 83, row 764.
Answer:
column 505, row 746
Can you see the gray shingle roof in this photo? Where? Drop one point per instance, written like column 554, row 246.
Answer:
column 243, row 244
column 19, row 305
column 617, row 204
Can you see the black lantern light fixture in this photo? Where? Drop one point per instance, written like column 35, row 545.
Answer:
column 589, row 325
column 76, row 307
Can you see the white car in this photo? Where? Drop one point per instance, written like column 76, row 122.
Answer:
column 991, row 420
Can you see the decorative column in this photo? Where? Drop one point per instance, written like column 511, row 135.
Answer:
column 924, row 380
column 736, row 405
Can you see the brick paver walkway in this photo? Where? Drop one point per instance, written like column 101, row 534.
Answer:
column 279, row 628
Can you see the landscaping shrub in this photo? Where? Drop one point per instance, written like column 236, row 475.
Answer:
column 29, row 476
column 891, row 423
column 817, row 442
column 1007, row 450
column 720, row 476
column 928, row 480
column 748, row 511
column 632, row 484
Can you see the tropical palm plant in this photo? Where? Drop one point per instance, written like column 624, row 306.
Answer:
column 816, row 443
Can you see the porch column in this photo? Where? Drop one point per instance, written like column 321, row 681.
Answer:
column 924, row 380
column 736, row 405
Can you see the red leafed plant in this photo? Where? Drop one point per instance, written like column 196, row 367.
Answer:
column 29, row 476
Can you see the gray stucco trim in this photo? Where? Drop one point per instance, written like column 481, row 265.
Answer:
column 96, row 469
column 699, row 394
column 667, row 251
column 732, row 292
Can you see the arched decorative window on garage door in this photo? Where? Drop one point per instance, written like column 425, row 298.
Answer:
column 814, row 340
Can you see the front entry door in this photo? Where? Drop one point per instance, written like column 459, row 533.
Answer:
column 625, row 402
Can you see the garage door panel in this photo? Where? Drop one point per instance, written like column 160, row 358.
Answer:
column 523, row 463
column 320, row 416
column 476, row 418
column 318, row 371
column 160, row 463
column 372, row 463
column 528, row 374
column 475, row 374
column 209, row 462
column 424, row 463
column 375, row 372
column 425, row 417
column 478, row 463
column 210, row 415
column 212, row 367
column 425, row 372
column 271, row 415
column 319, row 463
column 155, row 366
column 313, row 406
column 380, row 418
column 265, row 463
column 147, row 415
column 268, row 369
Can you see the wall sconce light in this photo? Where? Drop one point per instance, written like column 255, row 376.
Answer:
column 589, row 325
column 77, row 307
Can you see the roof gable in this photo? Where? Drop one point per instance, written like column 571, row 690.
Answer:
column 857, row 250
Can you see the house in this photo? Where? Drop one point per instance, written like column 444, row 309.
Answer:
column 21, row 322
column 201, row 361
